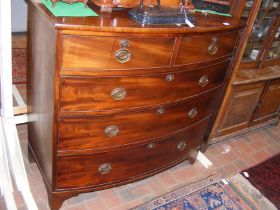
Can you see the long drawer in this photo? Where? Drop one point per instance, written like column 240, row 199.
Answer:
column 196, row 49
column 107, row 132
column 79, row 171
column 114, row 93
column 97, row 53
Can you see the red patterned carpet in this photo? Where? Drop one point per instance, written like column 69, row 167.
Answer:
column 19, row 65
column 266, row 177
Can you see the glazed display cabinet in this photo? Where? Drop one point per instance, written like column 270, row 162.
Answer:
column 253, row 98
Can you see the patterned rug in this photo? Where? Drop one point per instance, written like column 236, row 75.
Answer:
column 266, row 178
column 212, row 193
column 19, row 65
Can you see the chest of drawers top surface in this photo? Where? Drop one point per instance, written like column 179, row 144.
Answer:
column 118, row 21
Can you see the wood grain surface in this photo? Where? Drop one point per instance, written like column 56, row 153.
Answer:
column 82, row 171
column 87, row 132
column 90, row 94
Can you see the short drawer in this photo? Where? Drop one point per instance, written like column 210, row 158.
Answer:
column 196, row 49
column 103, row 132
column 80, row 171
column 114, row 93
column 88, row 52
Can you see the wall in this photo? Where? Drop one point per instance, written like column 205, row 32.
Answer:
column 19, row 15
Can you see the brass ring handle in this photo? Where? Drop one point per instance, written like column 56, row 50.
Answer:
column 112, row 131
column 123, row 55
column 105, row 168
column 192, row 113
column 160, row 111
column 119, row 94
column 181, row 146
column 151, row 146
column 212, row 48
column 169, row 77
column 203, row 81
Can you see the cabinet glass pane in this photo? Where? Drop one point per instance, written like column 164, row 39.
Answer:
column 262, row 23
column 274, row 51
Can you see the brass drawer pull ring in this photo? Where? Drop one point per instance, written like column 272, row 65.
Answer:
column 105, row 168
column 123, row 55
column 192, row 113
column 203, row 81
column 119, row 94
column 112, row 131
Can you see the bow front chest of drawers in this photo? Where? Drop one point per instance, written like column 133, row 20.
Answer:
column 111, row 101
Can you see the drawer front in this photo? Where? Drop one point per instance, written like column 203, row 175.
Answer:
column 86, row 52
column 103, row 132
column 117, row 166
column 205, row 48
column 114, row 93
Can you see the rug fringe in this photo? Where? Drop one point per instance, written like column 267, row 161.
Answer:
column 255, row 196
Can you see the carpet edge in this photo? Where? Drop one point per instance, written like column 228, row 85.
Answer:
column 255, row 196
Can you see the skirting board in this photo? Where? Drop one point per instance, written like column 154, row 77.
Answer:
column 232, row 135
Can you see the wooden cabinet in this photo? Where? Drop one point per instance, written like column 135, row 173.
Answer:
column 269, row 104
column 253, row 102
column 252, row 97
column 263, row 46
column 111, row 102
column 240, row 109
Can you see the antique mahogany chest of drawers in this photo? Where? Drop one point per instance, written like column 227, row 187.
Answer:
column 111, row 101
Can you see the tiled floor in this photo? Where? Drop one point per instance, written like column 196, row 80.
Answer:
column 228, row 158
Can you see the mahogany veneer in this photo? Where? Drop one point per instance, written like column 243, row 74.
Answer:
column 87, row 96
column 111, row 101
